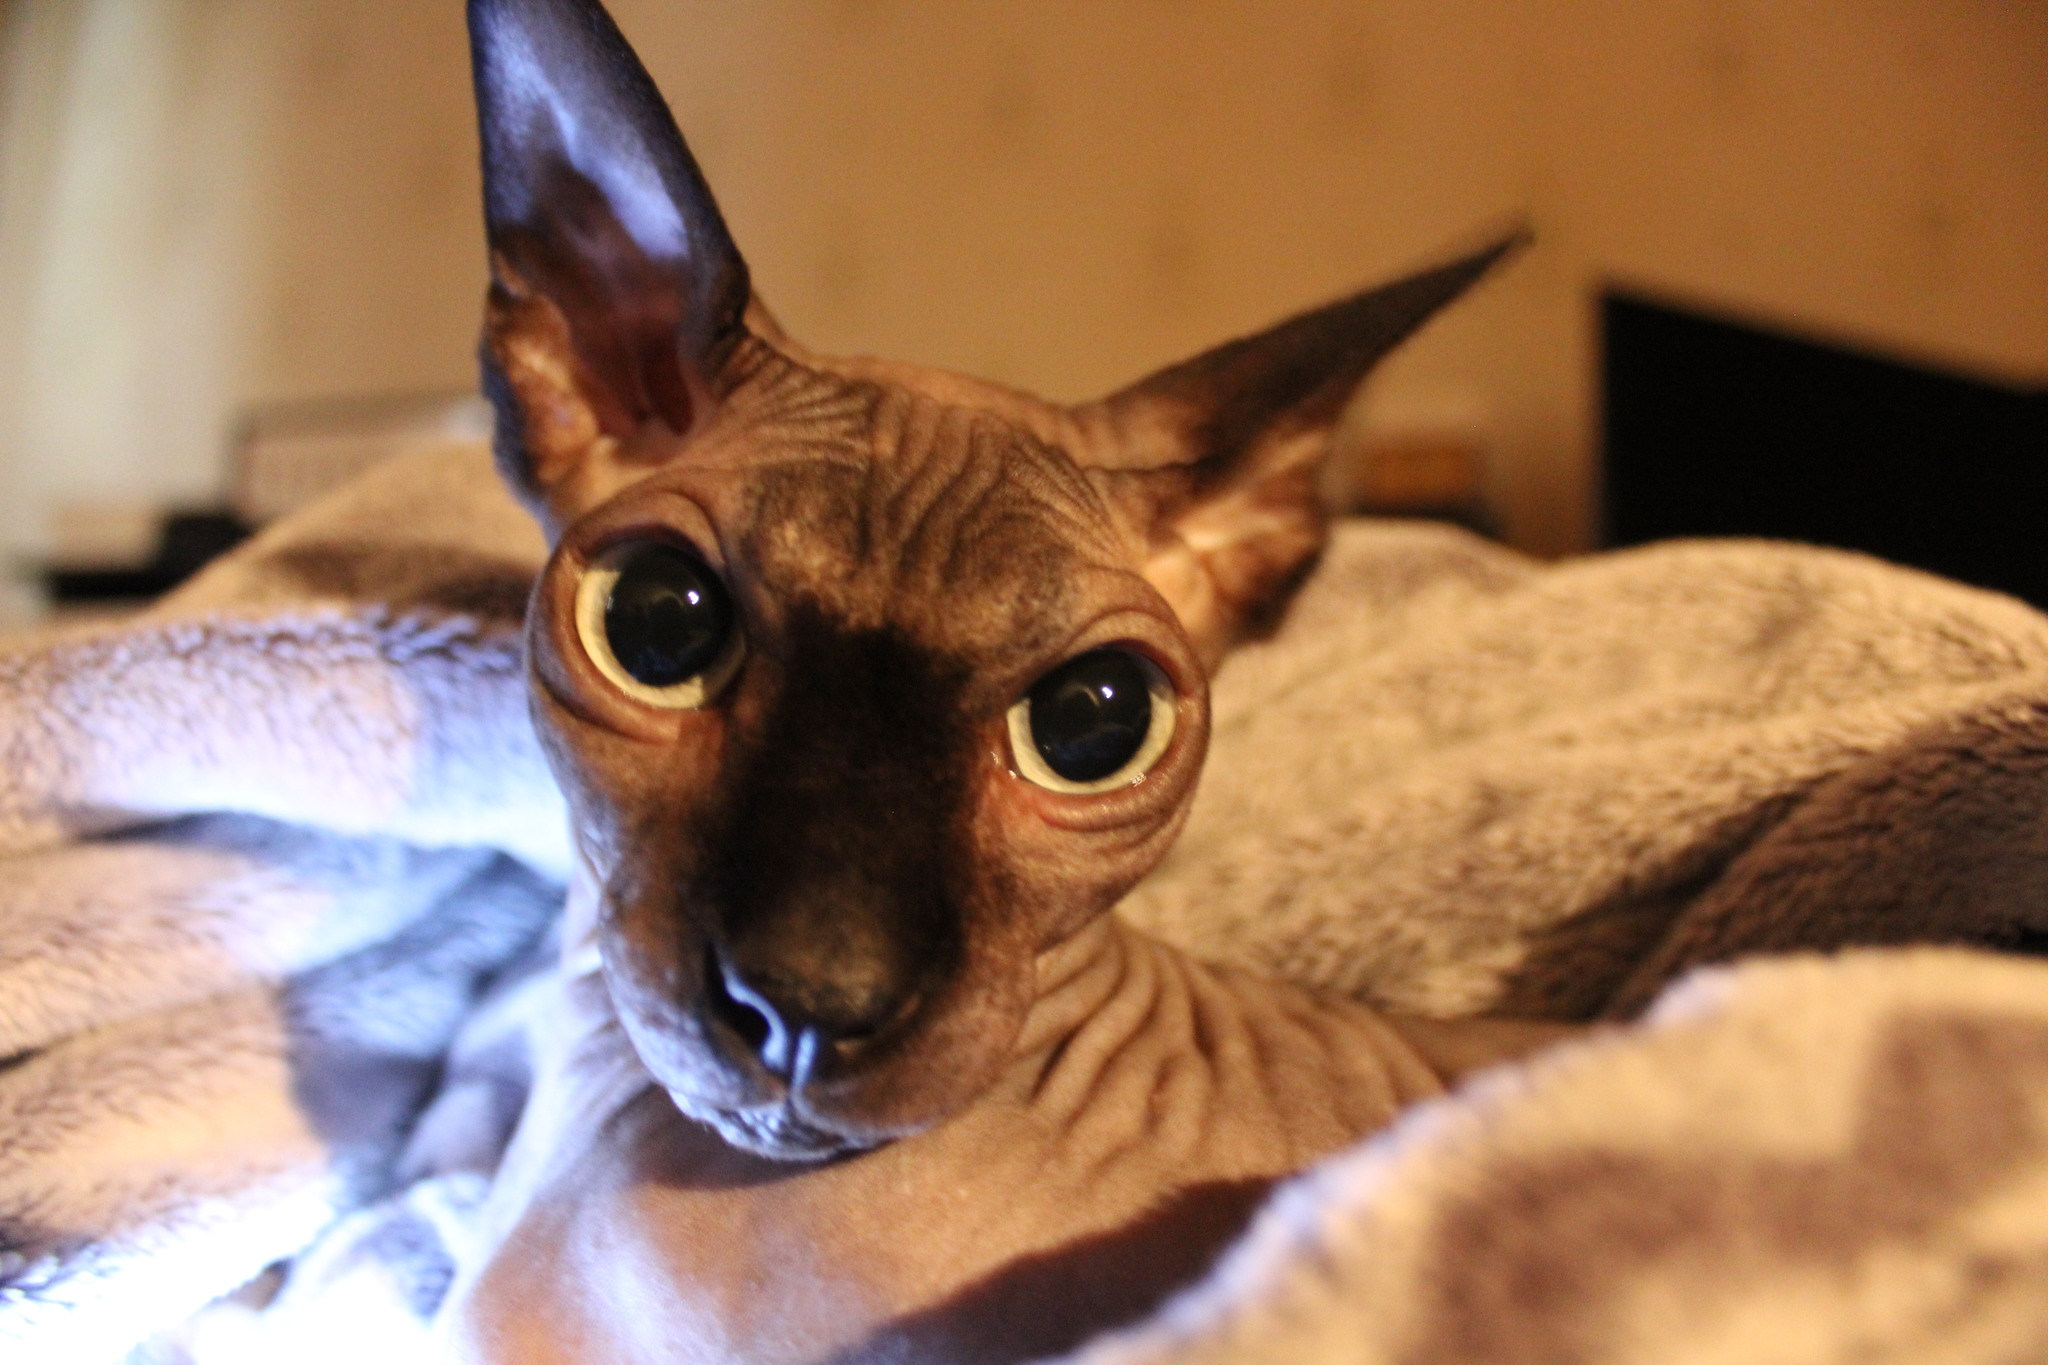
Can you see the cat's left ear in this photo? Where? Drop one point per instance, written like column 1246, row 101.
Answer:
column 1216, row 460
column 617, row 295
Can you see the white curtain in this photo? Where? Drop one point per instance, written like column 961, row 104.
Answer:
column 128, row 142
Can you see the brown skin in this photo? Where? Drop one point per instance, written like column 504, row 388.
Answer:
column 1147, row 1105
column 1017, row 1121
column 950, row 558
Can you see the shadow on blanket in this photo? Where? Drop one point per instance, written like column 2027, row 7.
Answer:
column 279, row 853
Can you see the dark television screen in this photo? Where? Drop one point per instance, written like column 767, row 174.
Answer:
column 1715, row 428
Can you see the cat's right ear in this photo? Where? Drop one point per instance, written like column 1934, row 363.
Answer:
column 616, row 292
column 1215, row 460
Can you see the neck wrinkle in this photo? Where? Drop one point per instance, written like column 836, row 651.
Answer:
column 1076, row 980
column 1115, row 1029
column 1133, row 1043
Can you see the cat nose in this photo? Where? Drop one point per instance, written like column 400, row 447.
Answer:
column 794, row 1021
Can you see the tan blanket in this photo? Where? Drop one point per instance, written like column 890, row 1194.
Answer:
column 1459, row 782
column 284, row 839
column 1800, row 1160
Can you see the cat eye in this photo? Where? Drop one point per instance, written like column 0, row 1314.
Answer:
column 659, row 624
column 1096, row 723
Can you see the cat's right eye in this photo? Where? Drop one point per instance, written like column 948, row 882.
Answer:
column 1096, row 723
column 659, row 624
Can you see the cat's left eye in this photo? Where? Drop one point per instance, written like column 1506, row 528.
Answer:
column 659, row 624
column 1096, row 723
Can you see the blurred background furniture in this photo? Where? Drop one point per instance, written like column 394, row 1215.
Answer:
column 1717, row 427
column 111, row 556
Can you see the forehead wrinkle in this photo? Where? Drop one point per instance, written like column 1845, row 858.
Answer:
column 965, row 475
column 932, row 454
column 969, row 549
column 947, row 509
column 987, row 526
column 921, row 452
column 911, row 450
column 781, row 390
column 783, row 414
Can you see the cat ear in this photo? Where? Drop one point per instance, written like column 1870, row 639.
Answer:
column 1216, row 459
column 616, row 292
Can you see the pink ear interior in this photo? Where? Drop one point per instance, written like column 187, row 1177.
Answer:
column 594, row 204
column 1216, row 458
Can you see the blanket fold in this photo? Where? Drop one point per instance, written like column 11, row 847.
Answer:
column 1557, row 788
column 1799, row 1160
column 279, row 859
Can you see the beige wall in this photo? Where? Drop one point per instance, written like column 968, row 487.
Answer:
column 205, row 203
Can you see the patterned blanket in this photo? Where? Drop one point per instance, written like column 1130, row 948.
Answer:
column 278, row 861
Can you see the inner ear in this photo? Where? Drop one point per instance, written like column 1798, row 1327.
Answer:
column 1215, row 461
column 617, row 295
column 623, row 310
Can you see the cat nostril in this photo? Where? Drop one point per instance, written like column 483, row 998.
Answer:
column 848, row 1046
column 880, row 1016
column 747, row 1020
column 791, row 1028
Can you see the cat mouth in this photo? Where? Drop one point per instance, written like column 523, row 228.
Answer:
column 786, row 1089
column 779, row 1132
column 813, row 1113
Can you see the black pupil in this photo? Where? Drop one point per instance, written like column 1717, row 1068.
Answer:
column 1090, row 715
column 667, row 618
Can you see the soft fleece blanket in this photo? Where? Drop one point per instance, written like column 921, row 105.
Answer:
column 278, row 861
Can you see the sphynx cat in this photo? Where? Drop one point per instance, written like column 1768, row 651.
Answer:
column 872, row 689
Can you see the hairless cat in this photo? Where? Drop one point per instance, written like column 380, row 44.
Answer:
column 872, row 689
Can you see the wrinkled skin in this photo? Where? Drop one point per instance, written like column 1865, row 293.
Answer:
column 1144, row 1109
column 853, row 1059
column 845, row 819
